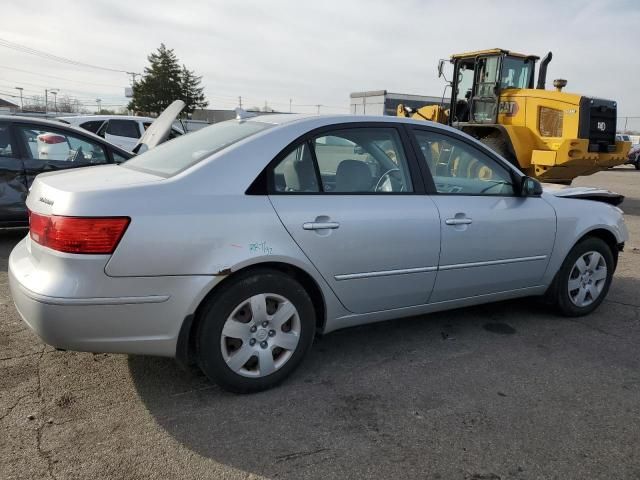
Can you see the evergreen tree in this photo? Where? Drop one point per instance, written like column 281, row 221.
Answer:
column 163, row 82
column 192, row 92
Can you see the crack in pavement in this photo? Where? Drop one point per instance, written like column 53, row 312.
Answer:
column 606, row 300
column 597, row 329
column 45, row 455
column 295, row 455
column 10, row 409
column 22, row 356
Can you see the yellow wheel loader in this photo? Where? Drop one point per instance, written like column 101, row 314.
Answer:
column 551, row 135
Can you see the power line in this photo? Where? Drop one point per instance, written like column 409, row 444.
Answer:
column 60, row 78
column 57, row 58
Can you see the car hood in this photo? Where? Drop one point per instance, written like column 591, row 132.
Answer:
column 160, row 129
column 586, row 193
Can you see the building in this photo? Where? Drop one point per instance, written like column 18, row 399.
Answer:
column 215, row 116
column 8, row 107
column 381, row 102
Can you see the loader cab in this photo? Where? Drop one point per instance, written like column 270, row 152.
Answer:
column 480, row 77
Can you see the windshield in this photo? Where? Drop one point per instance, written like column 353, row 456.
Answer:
column 515, row 72
column 172, row 157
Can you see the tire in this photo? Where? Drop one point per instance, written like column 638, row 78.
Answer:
column 229, row 315
column 637, row 163
column 568, row 300
column 499, row 144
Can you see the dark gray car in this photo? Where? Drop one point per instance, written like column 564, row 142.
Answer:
column 29, row 146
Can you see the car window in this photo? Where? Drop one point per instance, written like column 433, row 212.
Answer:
column 458, row 168
column 123, row 128
column 117, row 158
column 362, row 160
column 296, row 172
column 51, row 144
column 172, row 157
column 93, row 126
column 6, row 148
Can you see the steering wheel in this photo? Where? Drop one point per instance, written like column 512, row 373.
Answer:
column 386, row 174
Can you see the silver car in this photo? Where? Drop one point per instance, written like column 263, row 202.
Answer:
column 232, row 246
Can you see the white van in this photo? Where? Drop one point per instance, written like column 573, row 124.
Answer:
column 121, row 130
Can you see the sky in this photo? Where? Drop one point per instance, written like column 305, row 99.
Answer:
column 314, row 52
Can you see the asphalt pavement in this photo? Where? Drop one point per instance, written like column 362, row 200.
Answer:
column 500, row 391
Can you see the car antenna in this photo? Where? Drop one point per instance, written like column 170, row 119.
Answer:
column 242, row 114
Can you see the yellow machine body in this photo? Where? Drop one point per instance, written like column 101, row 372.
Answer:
column 551, row 135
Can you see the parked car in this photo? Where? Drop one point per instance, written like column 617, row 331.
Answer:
column 233, row 245
column 29, row 146
column 622, row 137
column 634, row 156
column 121, row 130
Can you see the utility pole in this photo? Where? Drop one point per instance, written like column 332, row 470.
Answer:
column 55, row 100
column 240, row 101
column 99, row 102
column 290, row 100
column 21, row 106
column 318, row 108
column 133, row 77
column 46, row 100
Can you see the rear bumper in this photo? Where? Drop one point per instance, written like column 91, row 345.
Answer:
column 140, row 315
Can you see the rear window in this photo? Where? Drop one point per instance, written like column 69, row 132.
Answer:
column 172, row 157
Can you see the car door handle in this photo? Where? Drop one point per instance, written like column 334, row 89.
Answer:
column 458, row 221
column 320, row 225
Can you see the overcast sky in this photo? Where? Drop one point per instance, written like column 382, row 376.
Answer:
column 315, row 52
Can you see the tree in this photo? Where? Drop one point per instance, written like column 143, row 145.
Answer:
column 163, row 82
column 192, row 92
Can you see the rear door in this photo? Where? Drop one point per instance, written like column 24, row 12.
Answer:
column 492, row 239
column 46, row 149
column 347, row 198
column 12, row 178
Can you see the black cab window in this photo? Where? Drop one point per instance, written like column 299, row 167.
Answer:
column 123, row 128
column 6, row 148
column 458, row 168
column 93, row 126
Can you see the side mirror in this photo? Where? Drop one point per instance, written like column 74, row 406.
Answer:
column 440, row 67
column 530, row 187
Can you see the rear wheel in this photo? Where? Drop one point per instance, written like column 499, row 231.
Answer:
column 255, row 332
column 584, row 278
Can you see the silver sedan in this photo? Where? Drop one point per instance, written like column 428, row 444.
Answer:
column 232, row 246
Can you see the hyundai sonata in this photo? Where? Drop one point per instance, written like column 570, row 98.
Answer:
column 234, row 245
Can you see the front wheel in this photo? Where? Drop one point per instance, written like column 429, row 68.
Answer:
column 255, row 331
column 584, row 278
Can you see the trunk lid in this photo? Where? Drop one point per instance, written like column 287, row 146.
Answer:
column 71, row 192
column 160, row 129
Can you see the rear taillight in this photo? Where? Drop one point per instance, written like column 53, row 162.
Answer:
column 89, row 235
column 51, row 138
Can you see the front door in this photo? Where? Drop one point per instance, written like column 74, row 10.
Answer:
column 492, row 240
column 47, row 149
column 348, row 200
column 12, row 179
column 484, row 103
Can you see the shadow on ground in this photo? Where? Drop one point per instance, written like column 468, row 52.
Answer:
column 466, row 392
